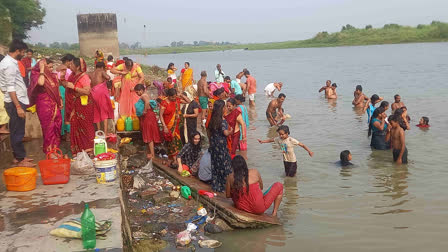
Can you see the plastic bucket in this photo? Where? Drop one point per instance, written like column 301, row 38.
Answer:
column 106, row 171
column 55, row 171
column 20, row 179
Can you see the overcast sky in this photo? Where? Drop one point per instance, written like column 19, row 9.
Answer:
column 244, row 21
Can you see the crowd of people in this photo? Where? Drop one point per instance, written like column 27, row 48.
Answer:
column 71, row 101
column 386, row 132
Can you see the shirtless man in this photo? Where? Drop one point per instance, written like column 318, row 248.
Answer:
column 399, row 150
column 327, row 87
column 274, row 112
column 238, row 79
column 359, row 97
column 103, row 107
column 204, row 94
column 332, row 91
column 397, row 104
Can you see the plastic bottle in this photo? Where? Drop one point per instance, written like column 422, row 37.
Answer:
column 128, row 124
column 120, row 124
column 185, row 192
column 135, row 123
column 88, row 228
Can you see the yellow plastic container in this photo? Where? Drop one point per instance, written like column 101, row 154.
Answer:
column 84, row 100
column 135, row 123
column 20, row 179
column 120, row 124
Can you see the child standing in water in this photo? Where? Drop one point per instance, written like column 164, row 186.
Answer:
column 399, row 150
column 287, row 144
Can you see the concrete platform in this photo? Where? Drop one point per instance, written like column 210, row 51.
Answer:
column 26, row 218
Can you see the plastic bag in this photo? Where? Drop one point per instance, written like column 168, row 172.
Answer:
column 147, row 168
column 183, row 238
column 83, row 165
column 72, row 228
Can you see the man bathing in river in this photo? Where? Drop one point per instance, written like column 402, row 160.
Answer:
column 397, row 141
column 397, row 104
column 239, row 76
column 203, row 93
column 332, row 92
column 360, row 98
column 274, row 112
column 327, row 88
column 271, row 87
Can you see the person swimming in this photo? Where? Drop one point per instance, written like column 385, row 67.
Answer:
column 423, row 123
column 345, row 157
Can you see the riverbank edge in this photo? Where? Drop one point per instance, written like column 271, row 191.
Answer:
column 260, row 47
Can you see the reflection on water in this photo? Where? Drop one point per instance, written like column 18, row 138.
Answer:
column 374, row 204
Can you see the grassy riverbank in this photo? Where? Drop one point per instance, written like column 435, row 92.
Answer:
column 349, row 36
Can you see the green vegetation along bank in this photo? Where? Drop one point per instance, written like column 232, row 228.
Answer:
column 348, row 36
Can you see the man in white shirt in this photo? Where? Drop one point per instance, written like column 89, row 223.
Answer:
column 16, row 99
column 219, row 74
column 271, row 87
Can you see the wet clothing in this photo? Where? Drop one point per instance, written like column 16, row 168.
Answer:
column 290, row 168
column 404, row 158
column 203, row 100
column 220, row 158
column 287, row 146
column 369, row 111
column 378, row 140
column 245, row 115
column 255, row 201
column 149, row 127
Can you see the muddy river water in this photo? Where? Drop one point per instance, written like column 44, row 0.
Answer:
column 375, row 205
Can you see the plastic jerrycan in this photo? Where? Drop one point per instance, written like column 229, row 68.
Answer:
column 120, row 124
column 128, row 124
column 88, row 228
column 185, row 192
column 100, row 144
column 135, row 123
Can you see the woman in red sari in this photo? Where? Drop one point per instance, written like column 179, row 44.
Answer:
column 235, row 120
column 82, row 131
column 171, row 119
column 44, row 93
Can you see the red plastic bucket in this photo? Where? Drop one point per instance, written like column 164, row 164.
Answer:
column 55, row 171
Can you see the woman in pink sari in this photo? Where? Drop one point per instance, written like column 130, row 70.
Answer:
column 44, row 93
column 132, row 75
column 82, row 131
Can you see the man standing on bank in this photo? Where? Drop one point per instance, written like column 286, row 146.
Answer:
column 16, row 100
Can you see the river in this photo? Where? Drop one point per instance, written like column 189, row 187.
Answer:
column 374, row 205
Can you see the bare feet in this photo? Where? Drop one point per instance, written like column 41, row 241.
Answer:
column 25, row 164
column 15, row 161
column 149, row 156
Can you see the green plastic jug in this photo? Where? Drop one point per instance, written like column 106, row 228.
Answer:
column 128, row 124
column 185, row 192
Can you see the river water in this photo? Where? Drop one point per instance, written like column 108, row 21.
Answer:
column 375, row 205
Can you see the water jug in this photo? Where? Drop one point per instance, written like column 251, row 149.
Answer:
column 99, row 143
column 120, row 124
column 135, row 123
column 185, row 192
column 128, row 124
